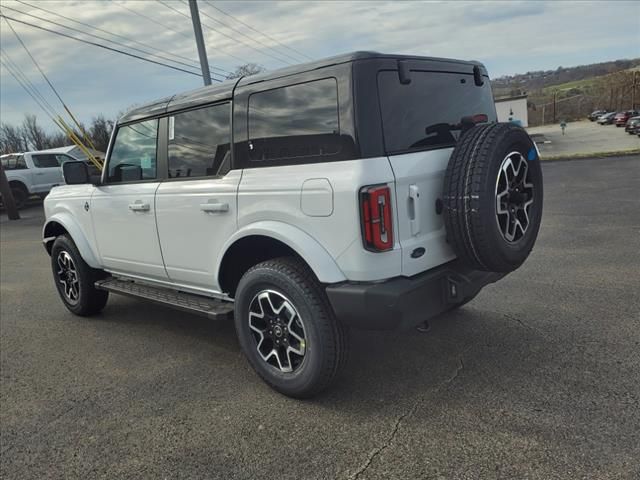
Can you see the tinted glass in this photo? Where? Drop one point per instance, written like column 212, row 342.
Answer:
column 45, row 160
column 427, row 112
column 14, row 162
column 199, row 141
column 294, row 121
column 133, row 157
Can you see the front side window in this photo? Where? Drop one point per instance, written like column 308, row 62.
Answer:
column 427, row 112
column 133, row 157
column 14, row 162
column 294, row 121
column 46, row 160
column 199, row 141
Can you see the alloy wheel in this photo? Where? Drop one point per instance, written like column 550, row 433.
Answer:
column 514, row 197
column 278, row 330
column 68, row 277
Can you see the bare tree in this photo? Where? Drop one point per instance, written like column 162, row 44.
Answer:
column 246, row 70
column 34, row 134
column 100, row 131
column 11, row 139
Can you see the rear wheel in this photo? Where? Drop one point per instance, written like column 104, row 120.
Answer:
column 20, row 195
column 287, row 329
column 75, row 279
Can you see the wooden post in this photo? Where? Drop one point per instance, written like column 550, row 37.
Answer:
column 7, row 196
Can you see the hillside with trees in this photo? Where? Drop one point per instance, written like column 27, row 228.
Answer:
column 574, row 91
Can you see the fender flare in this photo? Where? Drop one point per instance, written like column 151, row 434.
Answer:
column 319, row 260
column 77, row 235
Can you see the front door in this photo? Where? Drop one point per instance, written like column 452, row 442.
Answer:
column 123, row 207
column 196, row 206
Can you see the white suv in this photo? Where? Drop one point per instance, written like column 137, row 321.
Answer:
column 367, row 191
column 33, row 173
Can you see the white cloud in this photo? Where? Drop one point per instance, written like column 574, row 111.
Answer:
column 509, row 37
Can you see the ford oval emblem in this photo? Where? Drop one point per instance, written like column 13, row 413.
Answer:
column 418, row 252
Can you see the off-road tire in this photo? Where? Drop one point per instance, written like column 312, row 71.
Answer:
column 470, row 195
column 326, row 338
column 20, row 195
column 90, row 299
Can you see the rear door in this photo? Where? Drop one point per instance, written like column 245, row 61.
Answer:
column 421, row 124
column 196, row 207
column 47, row 172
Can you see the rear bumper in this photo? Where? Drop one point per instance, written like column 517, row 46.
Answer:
column 402, row 303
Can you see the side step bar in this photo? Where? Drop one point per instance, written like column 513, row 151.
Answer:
column 187, row 302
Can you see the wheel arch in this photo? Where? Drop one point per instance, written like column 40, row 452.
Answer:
column 61, row 224
column 262, row 241
column 19, row 184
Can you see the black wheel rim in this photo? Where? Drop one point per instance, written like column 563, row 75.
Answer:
column 68, row 277
column 514, row 197
column 278, row 331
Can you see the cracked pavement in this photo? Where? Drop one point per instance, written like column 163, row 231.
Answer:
column 538, row 377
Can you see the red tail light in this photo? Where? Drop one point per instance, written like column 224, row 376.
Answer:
column 377, row 224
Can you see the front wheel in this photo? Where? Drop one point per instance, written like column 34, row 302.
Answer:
column 75, row 279
column 287, row 328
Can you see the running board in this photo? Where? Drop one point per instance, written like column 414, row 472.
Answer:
column 187, row 302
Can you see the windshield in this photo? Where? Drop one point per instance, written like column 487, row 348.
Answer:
column 428, row 112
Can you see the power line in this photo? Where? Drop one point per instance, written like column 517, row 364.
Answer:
column 88, row 42
column 223, row 34
column 192, row 63
column 258, row 31
column 165, row 27
column 93, row 35
column 246, row 36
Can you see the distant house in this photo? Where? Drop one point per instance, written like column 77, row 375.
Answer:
column 76, row 152
column 513, row 109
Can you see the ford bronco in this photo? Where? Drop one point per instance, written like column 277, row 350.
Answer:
column 364, row 191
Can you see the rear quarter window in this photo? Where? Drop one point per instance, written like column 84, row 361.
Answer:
column 427, row 112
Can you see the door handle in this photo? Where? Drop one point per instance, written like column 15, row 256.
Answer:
column 214, row 207
column 139, row 207
column 414, row 210
column 39, row 173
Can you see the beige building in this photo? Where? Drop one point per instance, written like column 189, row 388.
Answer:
column 513, row 109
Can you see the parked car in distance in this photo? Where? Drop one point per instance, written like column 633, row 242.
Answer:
column 607, row 118
column 33, row 173
column 636, row 129
column 620, row 119
column 593, row 116
column 631, row 124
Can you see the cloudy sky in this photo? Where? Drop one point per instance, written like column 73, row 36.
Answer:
column 509, row 37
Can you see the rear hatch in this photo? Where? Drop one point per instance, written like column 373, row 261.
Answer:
column 422, row 114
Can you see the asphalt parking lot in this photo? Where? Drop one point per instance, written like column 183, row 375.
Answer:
column 539, row 377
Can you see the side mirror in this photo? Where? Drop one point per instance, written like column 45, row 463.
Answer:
column 75, row 173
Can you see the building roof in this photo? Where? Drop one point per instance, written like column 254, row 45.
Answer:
column 224, row 90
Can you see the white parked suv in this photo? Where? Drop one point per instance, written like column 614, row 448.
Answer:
column 363, row 191
column 33, row 173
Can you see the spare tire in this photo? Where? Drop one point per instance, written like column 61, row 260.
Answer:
column 492, row 197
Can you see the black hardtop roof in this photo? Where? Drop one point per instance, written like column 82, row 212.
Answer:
column 224, row 90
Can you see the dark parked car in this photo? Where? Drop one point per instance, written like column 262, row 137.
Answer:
column 607, row 118
column 593, row 116
column 622, row 117
column 631, row 124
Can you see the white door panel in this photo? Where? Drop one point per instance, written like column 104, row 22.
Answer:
column 195, row 218
column 124, row 222
column 419, row 180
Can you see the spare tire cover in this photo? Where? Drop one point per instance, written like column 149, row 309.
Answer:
column 492, row 197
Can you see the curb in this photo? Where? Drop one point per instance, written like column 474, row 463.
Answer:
column 587, row 156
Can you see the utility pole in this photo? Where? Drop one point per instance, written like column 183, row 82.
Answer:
column 202, row 52
column 633, row 91
column 555, row 98
column 7, row 196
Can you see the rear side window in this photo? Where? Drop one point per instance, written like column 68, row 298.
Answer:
column 199, row 141
column 14, row 162
column 46, row 160
column 295, row 121
column 427, row 112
